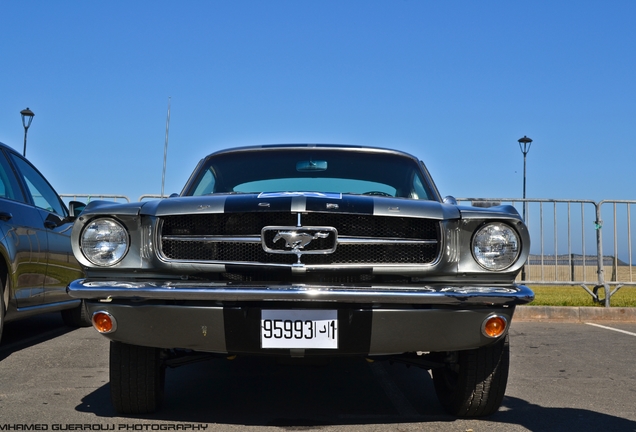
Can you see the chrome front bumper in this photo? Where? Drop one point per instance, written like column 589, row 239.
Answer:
column 420, row 294
column 225, row 317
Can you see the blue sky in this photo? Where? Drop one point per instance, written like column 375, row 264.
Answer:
column 455, row 83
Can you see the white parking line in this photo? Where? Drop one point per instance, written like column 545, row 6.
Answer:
column 611, row 328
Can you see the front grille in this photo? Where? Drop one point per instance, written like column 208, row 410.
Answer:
column 222, row 251
column 224, row 224
column 238, row 238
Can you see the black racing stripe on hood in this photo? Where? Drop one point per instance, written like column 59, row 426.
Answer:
column 250, row 203
column 347, row 204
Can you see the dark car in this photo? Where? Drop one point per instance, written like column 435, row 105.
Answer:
column 305, row 251
column 36, row 260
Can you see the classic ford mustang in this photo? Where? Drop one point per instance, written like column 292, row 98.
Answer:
column 305, row 251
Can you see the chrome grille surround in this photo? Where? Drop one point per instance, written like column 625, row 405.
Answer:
column 237, row 238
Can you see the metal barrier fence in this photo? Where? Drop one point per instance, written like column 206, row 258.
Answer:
column 86, row 198
column 150, row 197
column 569, row 246
column 568, row 242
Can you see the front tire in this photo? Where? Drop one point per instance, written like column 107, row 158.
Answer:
column 473, row 382
column 77, row 317
column 137, row 376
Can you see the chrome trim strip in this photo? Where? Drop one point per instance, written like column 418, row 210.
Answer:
column 53, row 307
column 215, row 239
column 382, row 240
column 25, row 312
column 257, row 239
column 371, row 294
column 413, row 267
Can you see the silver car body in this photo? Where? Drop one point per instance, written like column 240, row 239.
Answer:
column 36, row 259
column 205, row 288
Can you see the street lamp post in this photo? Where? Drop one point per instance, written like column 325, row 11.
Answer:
column 27, row 118
column 524, row 146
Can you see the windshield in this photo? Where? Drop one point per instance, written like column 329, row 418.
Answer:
column 311, row 170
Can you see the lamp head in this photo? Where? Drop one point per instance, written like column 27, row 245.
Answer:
column 524, row 144
column 27, row 117
column 524, row 140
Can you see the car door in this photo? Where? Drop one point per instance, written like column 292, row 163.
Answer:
column 62, row 267
column 23, row 239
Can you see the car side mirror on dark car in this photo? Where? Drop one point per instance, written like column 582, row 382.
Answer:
column 450, row 200
column 75, row 208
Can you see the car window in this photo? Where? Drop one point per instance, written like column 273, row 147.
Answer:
column 315, row 184
column 206, row 184
column 9, row 187
column 307, row 170
column 419, row 192
column 42, row 193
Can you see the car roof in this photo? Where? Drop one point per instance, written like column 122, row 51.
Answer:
column 8, row 147
column 300, row 146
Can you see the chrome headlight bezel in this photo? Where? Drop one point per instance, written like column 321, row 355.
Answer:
column 496, row 246
column 104, row 241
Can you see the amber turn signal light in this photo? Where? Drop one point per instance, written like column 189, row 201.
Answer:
column 104, row 322
column 494, row 326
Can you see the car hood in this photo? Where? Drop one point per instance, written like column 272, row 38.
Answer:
column 301, row 202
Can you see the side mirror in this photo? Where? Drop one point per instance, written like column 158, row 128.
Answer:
column 75, row 208
column 450, row 200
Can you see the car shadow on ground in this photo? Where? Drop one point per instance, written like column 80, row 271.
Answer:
column 261, row 392
column 27, row 332
column 266, row 392
column 538, row 418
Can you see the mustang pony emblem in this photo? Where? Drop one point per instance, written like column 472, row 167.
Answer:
column 298, row 240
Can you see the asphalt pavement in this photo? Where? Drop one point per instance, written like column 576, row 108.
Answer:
column 564, row 376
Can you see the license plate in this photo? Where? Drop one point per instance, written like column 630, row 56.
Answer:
column 307, row 328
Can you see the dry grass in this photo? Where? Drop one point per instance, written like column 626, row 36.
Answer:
column 564, row 295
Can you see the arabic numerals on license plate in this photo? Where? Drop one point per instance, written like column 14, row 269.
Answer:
column 299, row 329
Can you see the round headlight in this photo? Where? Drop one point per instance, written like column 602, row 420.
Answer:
column 104, row 242
column 496, row 246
